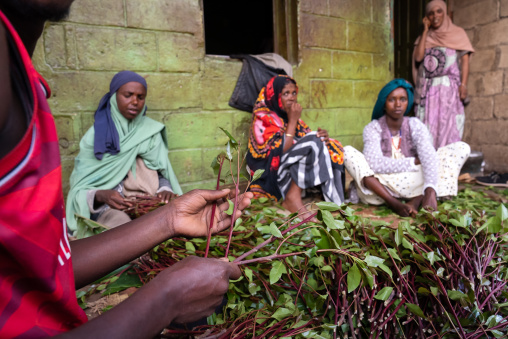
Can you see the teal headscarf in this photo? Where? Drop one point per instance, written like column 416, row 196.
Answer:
column 141, row 137
column 379, row 107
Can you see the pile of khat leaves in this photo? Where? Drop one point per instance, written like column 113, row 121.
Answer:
column 441, row 275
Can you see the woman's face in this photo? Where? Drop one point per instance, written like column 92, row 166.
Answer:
column 396, row 103
column 130, row 99
column 288, row 96
column 436, row 17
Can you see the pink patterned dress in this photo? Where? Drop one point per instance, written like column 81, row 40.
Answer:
column 438, row 103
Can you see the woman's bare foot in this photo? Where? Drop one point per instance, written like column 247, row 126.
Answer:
column 293, row 202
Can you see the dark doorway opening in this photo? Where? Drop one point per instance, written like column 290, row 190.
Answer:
column 407, row 26
column 238, row 27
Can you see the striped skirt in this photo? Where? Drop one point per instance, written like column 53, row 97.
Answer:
column 308, row 164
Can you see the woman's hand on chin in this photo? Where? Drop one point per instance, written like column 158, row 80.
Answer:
column 294, row 112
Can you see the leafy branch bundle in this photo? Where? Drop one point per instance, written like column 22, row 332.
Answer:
column 442, row 276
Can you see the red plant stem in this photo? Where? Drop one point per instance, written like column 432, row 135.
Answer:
column 237, row 191
column 212, row 218
column 491, row 294
column 272, row 238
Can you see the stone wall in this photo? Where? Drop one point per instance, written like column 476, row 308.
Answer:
column 346, row 51
column 486, row 23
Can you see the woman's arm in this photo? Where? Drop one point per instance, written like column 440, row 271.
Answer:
column 426, row 153
column 374, row 155
column 464, row 74
column 420, row 48
column 294, row 114
column 187, row 215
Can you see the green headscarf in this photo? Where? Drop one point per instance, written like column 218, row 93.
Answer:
column 379, row 108
column 141, row 137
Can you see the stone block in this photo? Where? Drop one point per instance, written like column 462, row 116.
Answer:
column 504, row 8
column 354, row 66
column 318, row 31
column 480, row 108
column 352, row 140
column 67, row 167
column 364, row 37
column 477, row 13
column 356, row 10
column 496, row 158
column 114, row 49
column 205, row 184
column 165, row 15
column 54, row 46
column 179, row 52
column 216, row 92
column 194, row 130
column 187, row 165
column 68, row 128
column 503, row 56
column 331, row 94
column 366, row 92
column 381, row 11
column 96, row 12
column 319, row 7
column 382, row 67
column 169, row 91
column 77, row 91
column 316, row 63
column 490, row 132
column 501, row 106
column 338, row 122
column 486, row 83
column 483, row 60
column 493, row 34
column 218, row 67
column 241, row 127
column 87, row 120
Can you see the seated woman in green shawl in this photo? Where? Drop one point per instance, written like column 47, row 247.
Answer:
column 123, row 155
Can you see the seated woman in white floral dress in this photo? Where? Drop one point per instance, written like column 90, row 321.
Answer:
column 399, row 161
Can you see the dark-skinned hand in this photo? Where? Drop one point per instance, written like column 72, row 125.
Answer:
column 190, row 214
column 196, row 286
column 166, row 196
column 323, row 134
column 112, row 198
column 429, row 201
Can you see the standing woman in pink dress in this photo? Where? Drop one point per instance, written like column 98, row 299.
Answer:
column 440, row 72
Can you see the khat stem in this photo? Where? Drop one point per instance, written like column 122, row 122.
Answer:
column 214, row 206
column 237, row 191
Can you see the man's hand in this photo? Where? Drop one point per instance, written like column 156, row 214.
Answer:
column 112, row 198
column 323, row 134
column 166, row 196
column 189, row 215
column 462, row 92
column 196, row 286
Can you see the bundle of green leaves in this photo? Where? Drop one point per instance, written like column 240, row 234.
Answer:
column 441, row 275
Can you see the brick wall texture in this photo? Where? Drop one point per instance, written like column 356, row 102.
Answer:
column 345, row 57
column 486, row 23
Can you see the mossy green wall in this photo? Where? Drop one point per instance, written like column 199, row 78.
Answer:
column 346, row 51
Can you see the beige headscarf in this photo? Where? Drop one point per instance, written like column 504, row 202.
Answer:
column 447, row 35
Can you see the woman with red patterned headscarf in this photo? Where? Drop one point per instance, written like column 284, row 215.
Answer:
column 294, row 157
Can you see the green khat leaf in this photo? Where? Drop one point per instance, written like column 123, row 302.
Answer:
column 231, row 208
column 502, row 212
column 327, row 206
column 257, row 174
column 456, row 295
column 384, row 293
column 374, row 261
column 353, row 278
column 416, row 310
column 278, row 269
column 275, row 230
column 232, row 140
column 394, row 254
column 282, row 313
